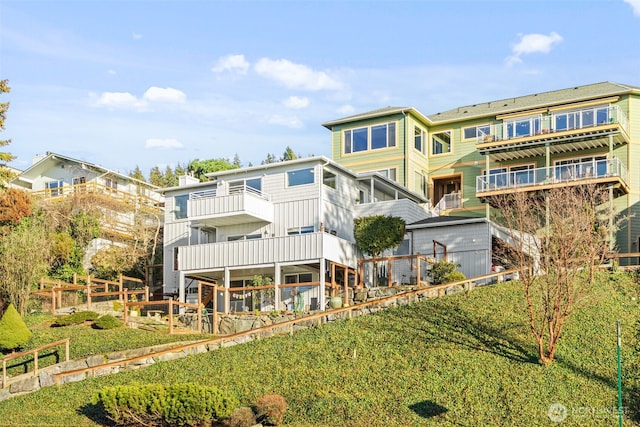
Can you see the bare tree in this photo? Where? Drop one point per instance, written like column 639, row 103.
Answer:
column 558, row 238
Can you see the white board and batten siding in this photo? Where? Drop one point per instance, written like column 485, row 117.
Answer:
column 402, row 208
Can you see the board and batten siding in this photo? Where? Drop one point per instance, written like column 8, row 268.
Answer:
column 467, row 244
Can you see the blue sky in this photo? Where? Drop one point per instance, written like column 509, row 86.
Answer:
column 144, row 83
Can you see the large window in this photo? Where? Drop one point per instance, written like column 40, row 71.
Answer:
column 441, row 142
column 475, row 132
column 370, row 138
column 388, row 173
column 180, row 206
column 581, row 118
column 583, row 167
column 329, row 179
column 521, row 127
column 251, row 185
column 300, row 177
column 300, row 230
column 55, row 188
column 420, row 186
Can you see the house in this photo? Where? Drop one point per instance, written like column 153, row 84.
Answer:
column 460, row 158
column 125, row 202
column 288, row 223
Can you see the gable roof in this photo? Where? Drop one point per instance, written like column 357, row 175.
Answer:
column 536, row 100
column 50, row 159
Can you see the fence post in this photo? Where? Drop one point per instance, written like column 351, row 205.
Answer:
column 418, row 277
column 53, row 301
column 4, row 373
column 59, row 293
column 215, row 309
column 171, row 316
column 66, row 350
column 146, row 293
column 88, row 292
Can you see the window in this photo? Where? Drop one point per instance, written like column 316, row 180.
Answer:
column 180, row 206
column 388, row 173
column 244, row 237
column 476, row 132
column 522, row 127
column 418, row 136
column 420, row 184
column 584, row 167
column 300, row 177
column 111, row 183
column 581, row 118
column 522, row 175
column 441, row 142
column 79, row 184
column 381, row 136
column 329, row 179
column 300, row 230
column 55, row 188
column 253, row 185
column 498, row 177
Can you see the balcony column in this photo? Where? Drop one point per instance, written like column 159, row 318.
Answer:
column 227, row 294
column 322, row 285
column 277, row 279
column 547, row 160
column 487, row 165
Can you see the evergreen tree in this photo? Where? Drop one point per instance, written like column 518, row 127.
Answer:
column 13, row 331
column 169, row 179
column 236, row 161
column 137, row 174
column 288, row 155
column 155, row 177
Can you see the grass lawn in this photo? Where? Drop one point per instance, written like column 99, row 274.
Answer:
column 462, row 360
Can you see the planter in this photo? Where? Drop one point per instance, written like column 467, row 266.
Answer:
column 335, row 302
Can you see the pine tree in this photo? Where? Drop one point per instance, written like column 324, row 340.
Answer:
column 155, row 177
column 137, row 174
column 5, row 156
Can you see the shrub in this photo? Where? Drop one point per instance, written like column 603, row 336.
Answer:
column 107, row 322
column 13, row 331
column 454, row 277
column 271, row 409
column 172, row 405
column 241, row 417
column 441, row 272
column 76, row 318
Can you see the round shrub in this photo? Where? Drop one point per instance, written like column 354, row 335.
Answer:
column 172, row 405
column 13, row 331
column 241, row 417
column 107, row 322
column 271, row 409
column 76, row 318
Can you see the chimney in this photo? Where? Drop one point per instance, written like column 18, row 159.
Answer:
column 187, row 180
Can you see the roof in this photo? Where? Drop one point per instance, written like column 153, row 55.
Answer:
column 536, row 100
column 442, row 221
column 376, row 113
column 41, row 165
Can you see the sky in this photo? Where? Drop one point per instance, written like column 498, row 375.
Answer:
column 160, row 83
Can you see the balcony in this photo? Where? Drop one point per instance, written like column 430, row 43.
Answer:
column 569, row 131
column 242, row 205
column 600, row 172
column 283, row 249
column 448, row 202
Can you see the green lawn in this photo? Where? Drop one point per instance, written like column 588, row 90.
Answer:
column 463, row 360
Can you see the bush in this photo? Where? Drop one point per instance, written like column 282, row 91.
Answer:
column 172, row 405
column 271, row 409
column 443, row 272
column 13, row 331
column 454, row 277
column 107, row 322
column 76, row 318
column 241, row 417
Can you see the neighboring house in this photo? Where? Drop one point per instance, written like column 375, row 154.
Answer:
column 290, row 222
column 461, row 157
column 122, row 199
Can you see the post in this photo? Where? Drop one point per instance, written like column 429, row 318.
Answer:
column 146, row 293
column 345, row 302
column 35, row 362
column 171, row 316
column 88, row 292
column 418, row 269
column 66, row 350
column 619, row 374
column 215, row 309
column 4, row 373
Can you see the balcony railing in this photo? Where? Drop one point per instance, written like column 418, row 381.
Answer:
column 541, row 125
column 565, row 173
column 240, row 205
column 141, row 197
column 448, row 201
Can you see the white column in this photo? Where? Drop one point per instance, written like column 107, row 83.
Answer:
column 277, row 279
column 322, row 287
column 227, row 295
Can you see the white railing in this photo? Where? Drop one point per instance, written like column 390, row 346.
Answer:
column 557, row 122
column 448, row 201
column 205, row 194
column 564, row 173
column 244, row 188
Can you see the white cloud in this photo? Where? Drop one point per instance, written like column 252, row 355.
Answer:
column 158, row 94
column 296, row 102
column 120, row 100
column 533, row 43
column 635, row 4
column 163, row 143
column 296, row 76
column 232, row 63
column 347, row 110
column 111, row 72
column 136, row 36
column 287, row 121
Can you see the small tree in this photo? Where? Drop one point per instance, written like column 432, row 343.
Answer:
column 13, row 331
column 557, row 240
column 445, row 272
column 375, row 234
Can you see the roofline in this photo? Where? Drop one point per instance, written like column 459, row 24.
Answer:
column 375, row 114
column 266, row 166
column 624, row 89
column 51, row 155
column 470, row 220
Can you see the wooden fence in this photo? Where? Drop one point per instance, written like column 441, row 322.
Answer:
column 35, row 352
column 91, row 289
